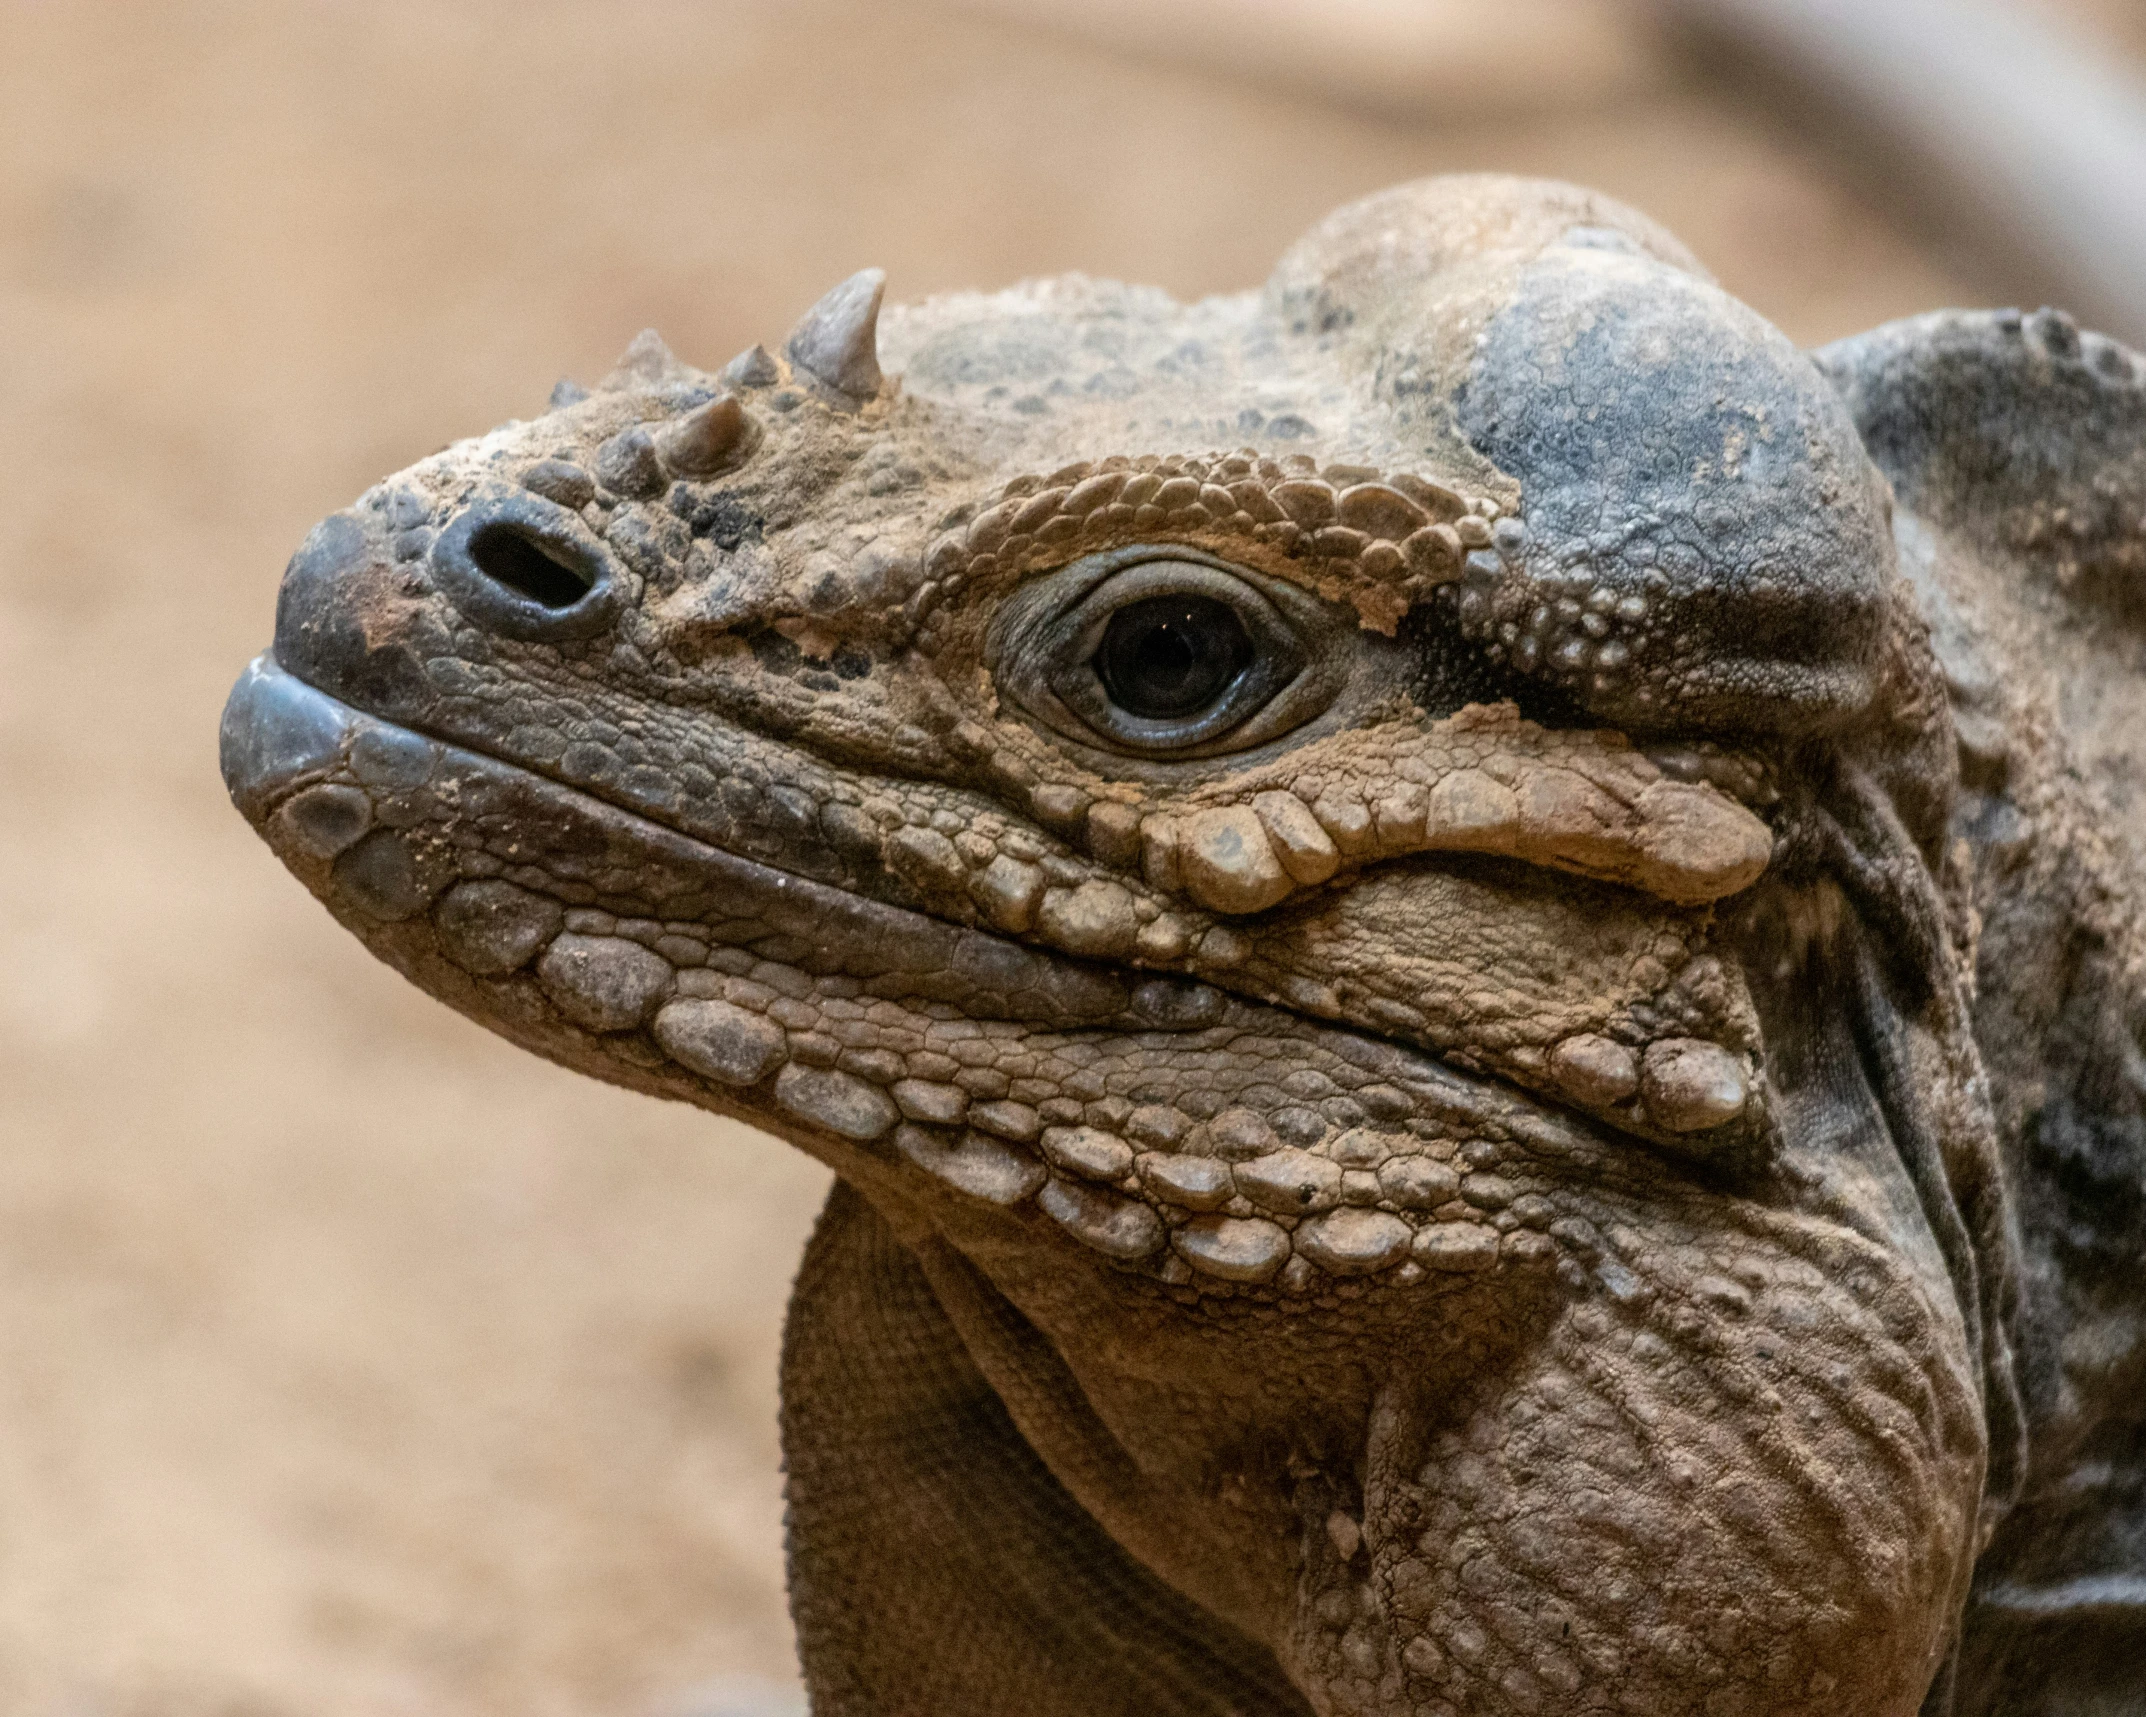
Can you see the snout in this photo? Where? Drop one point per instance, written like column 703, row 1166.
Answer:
column 276, row 731
column 383, row 601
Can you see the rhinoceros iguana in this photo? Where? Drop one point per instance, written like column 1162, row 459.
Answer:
column 1464, row 935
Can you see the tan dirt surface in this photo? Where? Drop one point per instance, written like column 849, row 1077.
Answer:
column 354, row 1364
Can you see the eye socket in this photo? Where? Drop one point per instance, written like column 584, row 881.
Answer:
column 1167, row 652
column 1169, row 657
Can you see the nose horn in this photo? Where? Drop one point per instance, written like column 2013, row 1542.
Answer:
column 837, row 342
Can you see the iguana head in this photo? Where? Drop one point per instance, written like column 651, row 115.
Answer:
column 1320, row 846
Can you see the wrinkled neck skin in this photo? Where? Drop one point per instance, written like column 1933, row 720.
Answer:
column 1475, row 1174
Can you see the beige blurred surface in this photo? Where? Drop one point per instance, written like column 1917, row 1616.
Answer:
column 351, row 1362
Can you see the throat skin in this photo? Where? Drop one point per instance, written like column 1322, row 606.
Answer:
column 1444, row 1157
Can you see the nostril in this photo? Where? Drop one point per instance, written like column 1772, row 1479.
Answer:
column 529, row 566
column 525, row 567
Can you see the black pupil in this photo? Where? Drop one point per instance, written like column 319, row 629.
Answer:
column 1171, row 656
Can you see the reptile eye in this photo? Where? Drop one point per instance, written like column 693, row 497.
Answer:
column 1165, row 652
column 1172, row 656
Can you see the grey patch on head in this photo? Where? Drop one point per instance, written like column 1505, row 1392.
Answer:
column 379, row 877
column 1992, row 429
column 490, row 928
column 1675, row 447
column 1007, row 352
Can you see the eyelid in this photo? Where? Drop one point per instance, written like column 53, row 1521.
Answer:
column 1042, row 643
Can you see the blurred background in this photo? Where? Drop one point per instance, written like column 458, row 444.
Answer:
column 352, row 1363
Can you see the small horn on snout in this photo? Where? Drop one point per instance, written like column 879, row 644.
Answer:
column 708, row 439
column 837, row 342
column 645, row 363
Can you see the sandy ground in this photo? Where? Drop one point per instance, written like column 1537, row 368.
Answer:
column 352, row 1363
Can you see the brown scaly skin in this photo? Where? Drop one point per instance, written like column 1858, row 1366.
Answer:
column 1447, row 1168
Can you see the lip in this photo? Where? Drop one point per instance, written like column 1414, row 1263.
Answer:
column 455, row 812
column 281, row 736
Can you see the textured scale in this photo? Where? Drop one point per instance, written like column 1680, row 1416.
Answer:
column 1570, row 1140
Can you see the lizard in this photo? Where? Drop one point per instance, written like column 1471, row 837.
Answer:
column 1463, row 933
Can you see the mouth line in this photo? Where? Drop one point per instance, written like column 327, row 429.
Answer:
column 283, row 737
